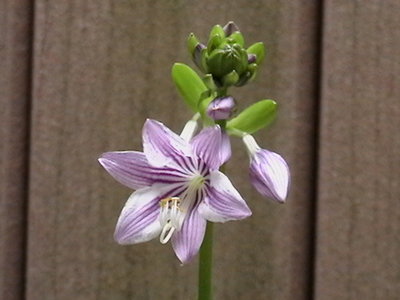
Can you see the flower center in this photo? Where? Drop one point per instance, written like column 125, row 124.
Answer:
column 175, row 209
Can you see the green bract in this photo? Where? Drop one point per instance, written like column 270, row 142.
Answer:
column 253, row 118
column 189, row 84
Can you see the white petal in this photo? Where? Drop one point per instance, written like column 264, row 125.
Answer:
column 223, row 202
column 138, row 221
column 161, row 145
column 187, row 241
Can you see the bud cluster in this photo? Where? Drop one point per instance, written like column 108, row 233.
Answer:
column 224, row 62
column 225, row 59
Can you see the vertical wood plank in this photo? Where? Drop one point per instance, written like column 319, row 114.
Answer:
column 101, row 68
column 358, row 243
column 15, row 46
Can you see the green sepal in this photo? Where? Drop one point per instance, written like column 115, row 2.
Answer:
column 189, row 84
column 259, row 50
column 192, row 42
column 230, row 79
column 254, row 117
column 209, row 82
column 217, row 29
column 237, row 36
column 214, row 43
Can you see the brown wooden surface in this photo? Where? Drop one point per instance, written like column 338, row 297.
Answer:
column 15, row 43
column 358, row 237
column 100, row 69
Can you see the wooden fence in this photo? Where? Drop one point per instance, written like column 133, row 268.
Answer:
column 78, row 78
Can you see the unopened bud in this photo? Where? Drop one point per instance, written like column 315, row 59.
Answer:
column 230, row 28
column 251, row 58
column 221, row 108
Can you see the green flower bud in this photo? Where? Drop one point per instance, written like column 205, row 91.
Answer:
column 214, row 42
column 192, row 42
column 238, row 38
column 258, row 50
column 223, row 61
column 230, row 78
column 209, row 82
column 248, row 76
column 217, row 29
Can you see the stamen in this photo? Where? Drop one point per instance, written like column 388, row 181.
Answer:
column 169, row 217
column 166, row 233
column 174, row 209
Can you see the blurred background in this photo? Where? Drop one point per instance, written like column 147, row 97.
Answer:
column 79, row 78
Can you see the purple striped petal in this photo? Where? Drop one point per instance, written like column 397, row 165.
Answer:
column 212, row 146
column 138, row 221
column 132, row 169
column 187, row 241
column 129, row 168
column 223, row 202
column 269, row 174
column 161, row 145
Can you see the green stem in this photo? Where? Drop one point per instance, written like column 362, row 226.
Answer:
column 205, row 260
column 205, row 265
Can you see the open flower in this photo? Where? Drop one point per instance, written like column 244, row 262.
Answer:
column 269, row 172
column 178, row 187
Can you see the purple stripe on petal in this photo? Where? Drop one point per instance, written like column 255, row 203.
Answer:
column 160, row 144
column 223, row 202
column 269, row 174
column 187, row 241
column 132, row 170
column 127, row 167
column 138, row 221
column 212, row 146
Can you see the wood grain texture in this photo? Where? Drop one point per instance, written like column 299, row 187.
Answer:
column 100, row 69
column 15, row 46
column 359, row 209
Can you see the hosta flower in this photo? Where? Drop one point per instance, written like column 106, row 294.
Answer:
column 269, row 173
column 178, row 187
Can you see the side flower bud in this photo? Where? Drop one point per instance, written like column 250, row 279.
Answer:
column 221, row 108
column 269, row 172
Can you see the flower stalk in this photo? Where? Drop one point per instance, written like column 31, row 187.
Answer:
column 205, row 291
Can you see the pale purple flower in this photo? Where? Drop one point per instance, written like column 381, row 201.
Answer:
column 178, row 187
column 269, row 172
column 221, row 108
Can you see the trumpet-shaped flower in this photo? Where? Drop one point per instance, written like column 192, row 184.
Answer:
column 178, row 187
column 269, row 172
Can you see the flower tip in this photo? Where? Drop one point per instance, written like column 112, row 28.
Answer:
column 103, row 160
column 120, row 238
